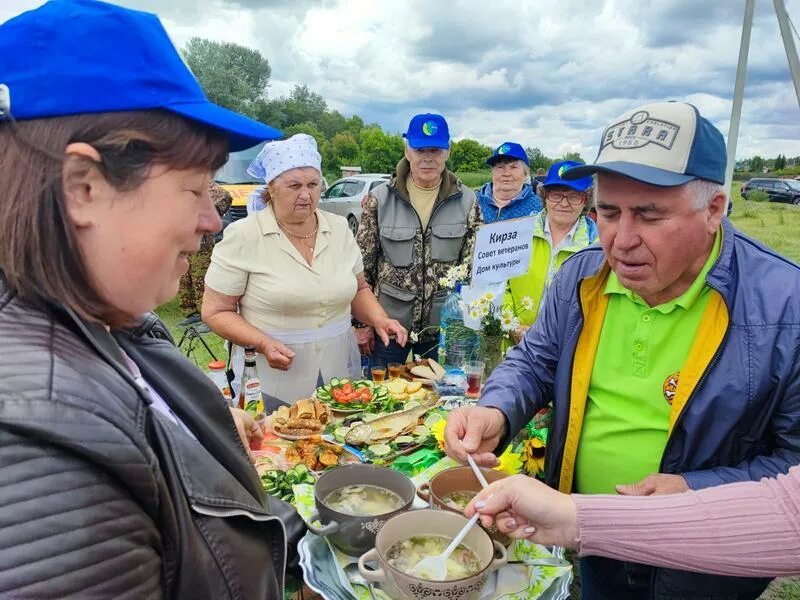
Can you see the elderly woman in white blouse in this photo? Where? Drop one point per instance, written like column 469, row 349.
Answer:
column 288, row 280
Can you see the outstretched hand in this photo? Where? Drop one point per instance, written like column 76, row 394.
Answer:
column 522, row 507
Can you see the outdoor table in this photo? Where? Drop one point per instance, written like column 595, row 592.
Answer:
column 323, row 565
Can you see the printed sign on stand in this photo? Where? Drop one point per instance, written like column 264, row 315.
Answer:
column 502, row 250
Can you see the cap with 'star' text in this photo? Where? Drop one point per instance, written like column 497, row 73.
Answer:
column 508, row 150
column 428, row 130
column 71, row 57
column 663, row 143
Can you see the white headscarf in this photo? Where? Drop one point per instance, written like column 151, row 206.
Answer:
column 275, row 158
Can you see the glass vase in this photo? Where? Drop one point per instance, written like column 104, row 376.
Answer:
column 491, row 351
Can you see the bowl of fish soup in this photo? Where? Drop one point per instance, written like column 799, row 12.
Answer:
column 409, row 537
column 452, row 489
column 354, row 501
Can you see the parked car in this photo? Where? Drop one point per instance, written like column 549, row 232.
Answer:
column 346, row 195
column 778, row 190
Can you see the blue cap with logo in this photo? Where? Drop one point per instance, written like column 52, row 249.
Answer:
column 555, row 176
column 508, row 150
column 663, row 143
column 71, row 57
column 428, row 130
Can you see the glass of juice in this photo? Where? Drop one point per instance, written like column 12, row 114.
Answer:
column 474, row 371
column 394, row 370
column 378, row 373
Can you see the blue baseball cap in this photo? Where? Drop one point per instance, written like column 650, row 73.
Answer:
column 663, row 143
column 555, row 176
column 428, row 130
column 71, row 57
column 508, row 150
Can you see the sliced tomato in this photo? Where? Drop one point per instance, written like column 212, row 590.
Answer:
column 365, row 395
column 338, row 394
column 347, row 388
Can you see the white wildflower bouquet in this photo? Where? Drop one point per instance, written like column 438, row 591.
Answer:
column 495, row 321
column 454, row 274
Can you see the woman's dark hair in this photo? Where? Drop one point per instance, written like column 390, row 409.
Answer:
column 40, row 257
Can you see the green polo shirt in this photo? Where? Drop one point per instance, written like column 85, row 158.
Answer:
column 639, row 357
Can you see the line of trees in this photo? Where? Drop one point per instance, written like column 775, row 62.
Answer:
column 237, row 77
column 779, row 165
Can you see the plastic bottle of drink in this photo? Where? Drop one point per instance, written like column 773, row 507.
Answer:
column 216, row 372
column 250, row 398
column 457, row 342
column 365, row 367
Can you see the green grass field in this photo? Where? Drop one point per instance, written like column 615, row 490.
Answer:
column 776, row 225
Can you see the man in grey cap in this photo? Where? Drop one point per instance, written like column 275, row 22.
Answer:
column 670, row 351
column 413, row 229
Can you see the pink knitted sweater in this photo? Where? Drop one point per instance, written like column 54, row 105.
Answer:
column 746, row 529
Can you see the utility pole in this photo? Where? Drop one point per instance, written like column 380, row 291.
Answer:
column 788, row 44
column 741, row 72
column 738, row 94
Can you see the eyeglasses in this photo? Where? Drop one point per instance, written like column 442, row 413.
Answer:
column 572, row 198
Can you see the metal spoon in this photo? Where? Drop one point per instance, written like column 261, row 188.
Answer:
column 541, row 562
column 353, row 576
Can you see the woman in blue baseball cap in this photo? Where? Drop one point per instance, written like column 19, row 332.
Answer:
column 508, row 195
column 561, row 229
column 124, row 472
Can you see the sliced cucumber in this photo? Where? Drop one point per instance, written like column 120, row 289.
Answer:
column 379, row 449
column 410, row 404
column 341, row 433
column 403, row 439
column 432, row 418
column 335, row 381
column 421, row 431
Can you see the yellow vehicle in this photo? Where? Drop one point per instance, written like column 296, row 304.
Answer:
column 233, row 176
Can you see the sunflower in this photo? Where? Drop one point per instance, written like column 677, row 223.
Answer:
column 509, row 462
column 533, row 450
column 437, row 429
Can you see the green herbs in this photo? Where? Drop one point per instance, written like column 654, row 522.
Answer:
column 279, row 483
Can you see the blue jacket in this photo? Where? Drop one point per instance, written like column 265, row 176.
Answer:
column 525, row 204
column 736, row 411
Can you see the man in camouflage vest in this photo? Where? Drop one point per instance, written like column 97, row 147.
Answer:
column 192, row 286
column 413, row 229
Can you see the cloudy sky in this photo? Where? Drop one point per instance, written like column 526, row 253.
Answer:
column 546, row 73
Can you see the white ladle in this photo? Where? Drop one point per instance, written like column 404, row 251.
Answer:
column 477, row 471
column 435, row 567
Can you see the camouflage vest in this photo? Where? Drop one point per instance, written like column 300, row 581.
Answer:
column 417, row 257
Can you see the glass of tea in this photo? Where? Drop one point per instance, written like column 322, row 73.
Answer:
column 474, row 371
column 394, row 370
column 378, row 373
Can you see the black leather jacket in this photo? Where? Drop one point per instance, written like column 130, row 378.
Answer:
column 102, row 496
